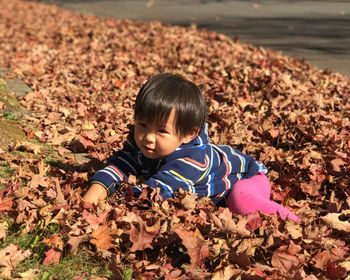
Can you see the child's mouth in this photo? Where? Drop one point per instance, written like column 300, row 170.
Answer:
column 148, row 150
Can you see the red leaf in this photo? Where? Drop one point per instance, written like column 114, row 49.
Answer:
column 52, row 257
column 92, row 219
column 335, row 272
column 142, row 238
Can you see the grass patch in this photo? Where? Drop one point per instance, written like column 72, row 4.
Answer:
column 5, row 170
column 69, row 266
column 10, row 132
column 6, row 95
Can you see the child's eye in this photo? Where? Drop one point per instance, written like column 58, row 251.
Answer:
column 142, row 125
column 162, row 131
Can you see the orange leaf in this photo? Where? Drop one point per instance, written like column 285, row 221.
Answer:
column 195, row 244
column 86, row 142
column 101, row 238
column 5, row 205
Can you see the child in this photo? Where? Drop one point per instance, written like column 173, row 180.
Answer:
column 169, row 148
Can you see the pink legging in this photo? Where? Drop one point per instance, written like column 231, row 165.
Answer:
column 253, row 195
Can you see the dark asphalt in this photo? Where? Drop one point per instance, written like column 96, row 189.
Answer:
column 317, row 31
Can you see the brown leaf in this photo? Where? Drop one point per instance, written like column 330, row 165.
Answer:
column 55, row 241
column 226, row 273
column 59, row 200
column 92, row 219
column 310, row 188
column 195, row 244
column 86, row 142
column 286, row 260
column 337, row 164
column 75, row 241
column 189, row 201
column 10, row 257
column 332, row 220
column 230, row 225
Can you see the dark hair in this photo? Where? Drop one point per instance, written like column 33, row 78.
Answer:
column 165, row 91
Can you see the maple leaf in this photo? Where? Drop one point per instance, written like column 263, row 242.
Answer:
column 310, row 188
column 59, row 200
column 226, row 272
column 29, row 147
column 253, row 221
column 113, row 138
column 195, row 244
column 335, row 271
column 189, row 201
column 52, row 257
column 142, row 237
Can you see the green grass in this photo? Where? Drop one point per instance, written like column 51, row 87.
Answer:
column 5, row 170
column 5, row 95
column 69, row 266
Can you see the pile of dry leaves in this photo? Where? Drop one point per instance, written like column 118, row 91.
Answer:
column 85, row 72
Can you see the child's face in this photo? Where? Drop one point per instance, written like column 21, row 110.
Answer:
column 157, row 141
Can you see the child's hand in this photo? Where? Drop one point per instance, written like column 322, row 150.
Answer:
column 95, row 193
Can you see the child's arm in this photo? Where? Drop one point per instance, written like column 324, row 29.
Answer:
column 120, row 166
column 95, row 193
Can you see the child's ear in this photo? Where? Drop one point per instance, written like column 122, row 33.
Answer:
column 190, row 136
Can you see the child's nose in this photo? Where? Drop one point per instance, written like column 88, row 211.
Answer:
column 150, row 137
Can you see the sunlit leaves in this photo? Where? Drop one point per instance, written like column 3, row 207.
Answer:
column 85, row 73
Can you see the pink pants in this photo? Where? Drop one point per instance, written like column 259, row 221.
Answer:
column 253, row 195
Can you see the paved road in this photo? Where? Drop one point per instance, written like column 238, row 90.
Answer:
column 316, row 30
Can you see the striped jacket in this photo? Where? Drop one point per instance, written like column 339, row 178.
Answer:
column 198, row 167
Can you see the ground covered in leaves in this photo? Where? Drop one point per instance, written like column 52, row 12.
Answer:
column 85, row 72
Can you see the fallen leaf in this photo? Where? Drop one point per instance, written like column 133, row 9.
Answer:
column 101, row 238
column 52, row 257
column 332, row 220
column 141, row 238
column 195, row 244
column 10, row 257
